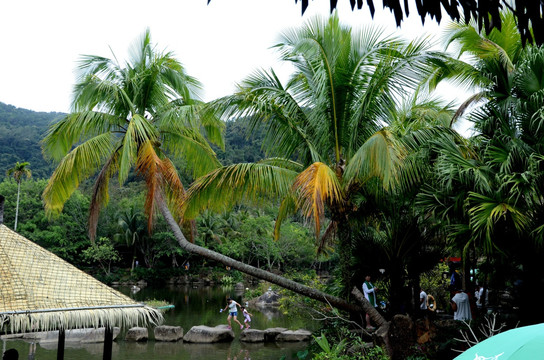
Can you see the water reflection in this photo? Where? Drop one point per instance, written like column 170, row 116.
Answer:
column 242, row 354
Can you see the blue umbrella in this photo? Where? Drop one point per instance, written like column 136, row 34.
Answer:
column 524, row 343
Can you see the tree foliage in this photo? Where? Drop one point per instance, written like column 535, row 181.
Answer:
column 487, row 13
column 127, row 117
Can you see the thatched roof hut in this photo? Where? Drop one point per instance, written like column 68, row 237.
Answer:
column 39, row 292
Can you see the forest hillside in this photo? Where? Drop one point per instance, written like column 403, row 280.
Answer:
column 21, row 131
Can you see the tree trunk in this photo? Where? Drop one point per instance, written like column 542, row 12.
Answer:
column 250, row 270
column 377, row 318
column 345, row 253
column 396, row 288
column 2, row 199
column 17, row 205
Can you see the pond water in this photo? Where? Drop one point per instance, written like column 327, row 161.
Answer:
column 193, row 306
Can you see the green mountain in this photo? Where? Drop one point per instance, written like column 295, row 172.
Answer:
column 20, row 133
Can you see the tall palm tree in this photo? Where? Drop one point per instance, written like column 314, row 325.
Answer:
column 18, row 172
column 326, row 128
column 125, row 117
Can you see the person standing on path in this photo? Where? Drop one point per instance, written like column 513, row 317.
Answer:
column 422, row 303
column 461, row 306
column 370, row 294
column 233, row 312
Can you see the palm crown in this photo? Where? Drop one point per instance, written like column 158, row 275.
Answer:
column 129, row 116
column 326, row 128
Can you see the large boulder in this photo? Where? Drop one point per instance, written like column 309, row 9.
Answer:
column 267, row 300
column 239, row 286
column 137, row 334
column 252, row 335
column 168, row 333
column 206, row 334
column 270, row 334
column 297, row 335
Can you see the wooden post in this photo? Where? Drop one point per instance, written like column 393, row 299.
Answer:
column 60, row 346
column 108, row 342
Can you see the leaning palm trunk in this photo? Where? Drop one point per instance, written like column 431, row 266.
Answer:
column 250, row 270
column 383, row 325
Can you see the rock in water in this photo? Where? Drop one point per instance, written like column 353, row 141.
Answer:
column 297, row 335
column 206, row 334
column 137, row 334
column 168, row 333
column 252, row 336
column 270, row 334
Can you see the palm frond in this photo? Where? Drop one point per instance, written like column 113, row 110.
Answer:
column 287, row 207
column 192, row 146
column 284, row 163
column 76, row 127
column 139, row 131
column 100, row 195
column 378, row 157
column 485, row 212
column 77, row 165
column 316, row 187
column 239, row 182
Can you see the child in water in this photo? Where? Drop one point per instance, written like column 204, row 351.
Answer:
column 247, row 318
column 233, row 312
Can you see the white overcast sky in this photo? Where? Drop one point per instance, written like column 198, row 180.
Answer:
column 219, row 44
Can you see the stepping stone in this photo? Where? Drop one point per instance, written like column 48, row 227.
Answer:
column 206, row 334
column 252, row 336
column 137, row 334
column 297, row 335
column 270, row 334
column 168, row 333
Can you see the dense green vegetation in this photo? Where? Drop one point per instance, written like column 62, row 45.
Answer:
column 352, row 145
column 244, row 233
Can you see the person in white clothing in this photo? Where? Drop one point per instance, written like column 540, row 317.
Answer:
column 461, row 306
column 422, row 300
column 422, row 303
column 370, row 294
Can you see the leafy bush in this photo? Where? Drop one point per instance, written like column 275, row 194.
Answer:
column 227, row 280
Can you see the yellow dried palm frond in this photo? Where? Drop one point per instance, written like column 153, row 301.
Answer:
column 160, row 176
column 148, row 165
column 316, row 187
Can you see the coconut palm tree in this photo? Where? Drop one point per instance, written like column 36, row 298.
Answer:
column 127, row 117
column 327, row 134
column 18, row 172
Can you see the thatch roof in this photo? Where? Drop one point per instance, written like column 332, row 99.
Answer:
column 40, row 291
